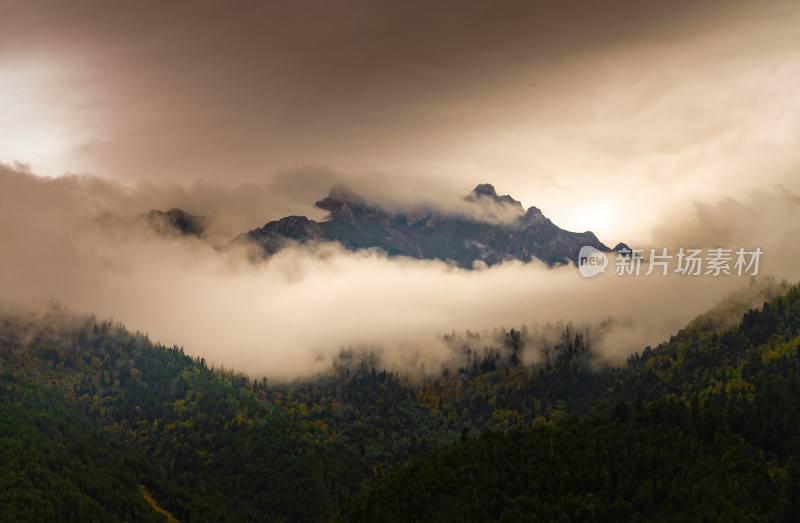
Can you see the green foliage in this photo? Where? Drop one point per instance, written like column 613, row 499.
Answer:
column 375, row 414
column 56, row 465
column 704, row 426
column 225, row 453
column 659, row 465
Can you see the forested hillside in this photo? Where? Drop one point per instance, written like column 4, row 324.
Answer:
column 221, row 452
column 705, row 424
column 703, row 427
column 58, row 465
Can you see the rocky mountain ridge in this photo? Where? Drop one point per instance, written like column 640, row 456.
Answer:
column 423, row 233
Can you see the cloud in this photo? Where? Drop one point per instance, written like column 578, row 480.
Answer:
column 611, row 116
column 580, row 108
column 759, row 219
column 291, row 315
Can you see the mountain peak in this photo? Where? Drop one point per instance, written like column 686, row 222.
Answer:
column 511, row 233
column 339, row 202
column 341, row 192
column 295, row 227
column 486, row 191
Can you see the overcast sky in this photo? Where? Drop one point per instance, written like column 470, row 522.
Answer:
column 607, row 115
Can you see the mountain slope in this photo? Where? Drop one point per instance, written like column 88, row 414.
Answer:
column 508, row 233
column 55, row 465
column 706, row 423
column 704, row 427
column 225, row 453
column 657, row 465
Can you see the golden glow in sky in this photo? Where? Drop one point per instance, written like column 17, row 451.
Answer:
column 591, row 105
column 33, row 130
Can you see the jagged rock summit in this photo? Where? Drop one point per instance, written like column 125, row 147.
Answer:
column 428, row 234
column 487, row 191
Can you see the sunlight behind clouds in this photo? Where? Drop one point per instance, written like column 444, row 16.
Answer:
column 35, row 120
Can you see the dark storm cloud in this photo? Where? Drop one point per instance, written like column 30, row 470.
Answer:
column 579, row 108
column 239, row 89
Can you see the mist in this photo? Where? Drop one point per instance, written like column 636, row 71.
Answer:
column 290, row 315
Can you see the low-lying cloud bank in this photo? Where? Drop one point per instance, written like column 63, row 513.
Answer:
column 292, row 314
